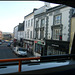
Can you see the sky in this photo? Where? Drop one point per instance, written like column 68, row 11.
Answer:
column 12, row 13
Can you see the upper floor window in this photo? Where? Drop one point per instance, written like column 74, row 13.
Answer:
column 28, row 34
column 28, row 23
column 57, row 20
column 31, row 22
column 37, row 24
column 42, row 22
column 31, row 34
column 25, row 34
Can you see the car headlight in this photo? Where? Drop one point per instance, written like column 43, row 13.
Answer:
column 19, row 53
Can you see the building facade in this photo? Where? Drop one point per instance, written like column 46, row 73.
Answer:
column 54, row 24
column 28, row 32
column 15, row 32
column 29, row 25
column 0, row 35
column 59, row 22
column 21, row 31
column 59, row 29
column 47, row 23
column 40, row 22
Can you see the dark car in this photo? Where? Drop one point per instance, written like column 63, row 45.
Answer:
column 0, row 42
column 9, row 44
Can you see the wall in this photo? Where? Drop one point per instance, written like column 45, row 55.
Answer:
column 0, row 35
column 20, row 35
column 64, row 21
column 16, row 32
column 30, row 28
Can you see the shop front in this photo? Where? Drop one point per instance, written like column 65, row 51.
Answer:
column 39, row 47
column 29, row 44
column 57, row 47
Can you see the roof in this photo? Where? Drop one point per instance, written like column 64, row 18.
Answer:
column 28, row 14
column 65, row 2
column 56, row 8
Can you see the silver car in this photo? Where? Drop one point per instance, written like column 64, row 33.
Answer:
column 21, row 52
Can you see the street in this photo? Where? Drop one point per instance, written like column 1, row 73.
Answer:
column 7, row 53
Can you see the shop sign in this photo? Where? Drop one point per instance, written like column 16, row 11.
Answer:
column 26, row 41
column 35, row 41
column 39, row 42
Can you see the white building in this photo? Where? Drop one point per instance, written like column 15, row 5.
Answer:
column 20, row 35
column 59, row 22
column 28, row 26
column 40, row 21
column 15, row 32
column 53, row 22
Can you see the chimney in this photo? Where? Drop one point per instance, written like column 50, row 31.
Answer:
column 47, row 5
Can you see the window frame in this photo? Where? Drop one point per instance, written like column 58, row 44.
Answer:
column 42, row 20
column 55, row 21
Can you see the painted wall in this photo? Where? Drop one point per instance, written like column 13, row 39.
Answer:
column 20, row 35
column 30, row 28
column 16, row 32
column 64, row 21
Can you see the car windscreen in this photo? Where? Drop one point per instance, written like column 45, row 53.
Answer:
column 20, row 49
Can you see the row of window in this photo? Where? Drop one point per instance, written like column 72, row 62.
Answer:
column 57, row 21
column 56, row 31
column 42, row 23
column 27, row 35
column 28, row 24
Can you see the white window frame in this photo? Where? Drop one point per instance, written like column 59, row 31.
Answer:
column 31, row 22
column 42, row 22
column 56, row 33
column 57, row 19
column 37, row 24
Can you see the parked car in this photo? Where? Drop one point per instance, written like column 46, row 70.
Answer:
column 20, row 51
column 8, row 44
column 0, row 42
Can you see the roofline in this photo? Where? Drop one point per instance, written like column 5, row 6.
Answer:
column 55, row 8
column 15, row 26
column 28, row 14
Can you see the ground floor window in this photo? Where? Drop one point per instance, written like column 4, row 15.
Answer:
column 54, row 51
column 56, row 33
column 38, row 48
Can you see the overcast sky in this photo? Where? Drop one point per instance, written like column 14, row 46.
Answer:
column 12, row 13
